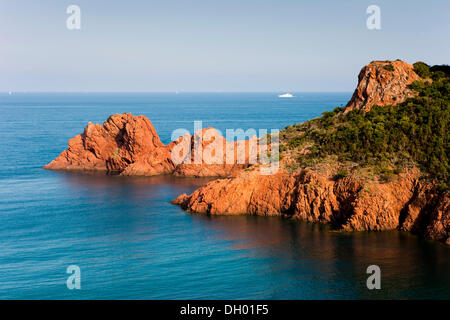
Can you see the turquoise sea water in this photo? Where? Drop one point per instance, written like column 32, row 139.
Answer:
column 131, row 243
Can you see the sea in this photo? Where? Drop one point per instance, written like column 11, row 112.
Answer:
column 127, row 241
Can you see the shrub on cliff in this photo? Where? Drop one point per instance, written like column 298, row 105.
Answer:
column 389, row 67
column 422, row 69
column 341, row 173
column 444, row 68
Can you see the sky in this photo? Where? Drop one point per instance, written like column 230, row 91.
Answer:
column 212, row 45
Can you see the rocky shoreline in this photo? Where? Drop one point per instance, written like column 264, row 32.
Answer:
column 348, row 204
column 129, row 145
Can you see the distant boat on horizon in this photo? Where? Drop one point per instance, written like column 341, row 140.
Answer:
column 10, row 92
column 286, row 95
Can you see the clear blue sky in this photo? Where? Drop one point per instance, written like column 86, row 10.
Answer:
column 211, row 45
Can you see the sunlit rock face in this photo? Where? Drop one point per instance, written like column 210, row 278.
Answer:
column 382, row 83
column 349, row 204
column 124, row 144
column 129, row 145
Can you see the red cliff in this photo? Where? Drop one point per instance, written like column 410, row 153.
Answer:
column 349, row 204
column 129, row 145
column 353, row 203
column 124, row 144
column 382, row 83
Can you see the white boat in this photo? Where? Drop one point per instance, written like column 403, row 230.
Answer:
column 10, row 92
column 285, row 95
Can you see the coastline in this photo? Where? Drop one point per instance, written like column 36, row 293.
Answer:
column 129, row 145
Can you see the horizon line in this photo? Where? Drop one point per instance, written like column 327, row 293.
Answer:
column 173, row 92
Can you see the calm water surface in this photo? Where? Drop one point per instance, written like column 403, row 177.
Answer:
column 131, row 243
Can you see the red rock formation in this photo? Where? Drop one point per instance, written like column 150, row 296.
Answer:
column 129, row 145
column 124, row 144
column 350, row 204
column 211, row 160
column 382, row 83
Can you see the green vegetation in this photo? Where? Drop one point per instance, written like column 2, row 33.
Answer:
column 342, row 173
column 386, row 138
column 389, row 67
column 116, row 153
column 422, row 69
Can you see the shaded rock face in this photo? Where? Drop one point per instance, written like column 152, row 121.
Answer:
column 349, row 204
column 382, row 83
column 129, row 145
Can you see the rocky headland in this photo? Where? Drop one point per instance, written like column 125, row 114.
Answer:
column 128, row 145
column 383, row 83
column 372, row 184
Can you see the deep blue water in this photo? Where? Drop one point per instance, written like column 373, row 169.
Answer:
column 131, row 243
